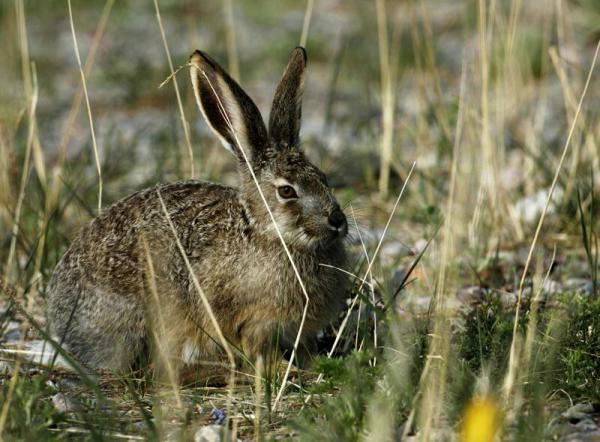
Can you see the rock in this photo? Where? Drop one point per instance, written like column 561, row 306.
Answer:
column 509, row 299
column 593, row 436
column 551, row 287
column 67, row 384
column 579, row 411
column 13, row 332
column 530, row 208
column 580, row 286
column 586, row 425
column 577, row 424
column 42, row 352
column 392, row 251
column 210, row 433
column 419, row 246
column 397, row 279
column 469, row 295
column 141, row 425
column 63, row 404
column 219, row 416
column 5, row 367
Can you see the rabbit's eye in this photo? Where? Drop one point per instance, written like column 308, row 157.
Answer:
column 287, row 192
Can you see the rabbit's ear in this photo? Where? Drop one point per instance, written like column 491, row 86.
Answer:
column 286, row 111
column 228, row 110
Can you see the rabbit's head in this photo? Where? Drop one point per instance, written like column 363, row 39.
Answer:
column 295, row 190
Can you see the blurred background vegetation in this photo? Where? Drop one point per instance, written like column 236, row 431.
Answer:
column 481, row 95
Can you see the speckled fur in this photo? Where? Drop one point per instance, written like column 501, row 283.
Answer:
column 100, row 295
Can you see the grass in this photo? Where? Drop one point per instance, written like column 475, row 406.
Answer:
column 486, row 97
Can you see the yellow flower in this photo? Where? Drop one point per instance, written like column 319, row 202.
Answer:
column 480, row 421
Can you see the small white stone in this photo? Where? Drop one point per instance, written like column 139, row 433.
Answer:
column 210, row 433
column 63, row 403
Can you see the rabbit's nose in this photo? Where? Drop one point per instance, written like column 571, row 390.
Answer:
column 337, row 219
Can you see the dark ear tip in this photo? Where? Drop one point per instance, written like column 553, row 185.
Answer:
column 195, row 55
column 299, row 50
column 199, row 57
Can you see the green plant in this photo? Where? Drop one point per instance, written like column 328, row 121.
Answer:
column 31, row 414
column 342, row 416
column 579, row 345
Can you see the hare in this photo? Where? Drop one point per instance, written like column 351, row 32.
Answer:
column 125, row 277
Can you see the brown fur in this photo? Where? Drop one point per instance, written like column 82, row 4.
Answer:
column 123, row 278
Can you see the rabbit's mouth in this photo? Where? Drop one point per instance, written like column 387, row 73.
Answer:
column 338, row 231
column 323, row 235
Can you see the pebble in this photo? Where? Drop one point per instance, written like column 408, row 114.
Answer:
column 580, row 286
column 63, row 404
column 392, row 251
column 470, row 294
column 5, row 367
column 579, row 411
column 219, row 416
column 210, row 433
column 593, row 436
column 551, row 287
column 13, row 332
column 141, row 425
column 67, row 384
column 578, row 424
column 420, row 245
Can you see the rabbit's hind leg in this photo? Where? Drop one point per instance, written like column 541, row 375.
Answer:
column 103, row 331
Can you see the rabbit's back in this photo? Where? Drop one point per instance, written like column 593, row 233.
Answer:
column 98, row 294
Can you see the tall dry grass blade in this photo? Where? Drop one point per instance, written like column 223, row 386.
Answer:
column 513, row 21
column 370, row 284
column 570, row 102
column 5, row 175
column 431, row 410
column 306, row 22
column 512, row 360
column 387, row 99
column 258, row 396
column 15, row 231
column 364, row 249
column 533, row 316
column 11, row 388
column 67, row 131
column 430, row 61
column 232, row 52
column 346, row 272
column 87, row 103
column 160, row 335
column 33, row 99
column 422, row 135
column 38, row 156
column 362, row 280
column 184, row 123
column 489, row 163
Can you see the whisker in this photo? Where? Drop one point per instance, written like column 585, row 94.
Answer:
column 348, row 273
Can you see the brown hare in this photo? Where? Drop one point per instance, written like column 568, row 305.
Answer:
column 100, row 297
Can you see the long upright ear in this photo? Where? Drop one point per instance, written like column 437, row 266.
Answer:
column 286, row 111
column 227, row 109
